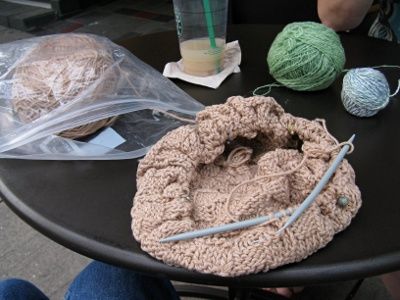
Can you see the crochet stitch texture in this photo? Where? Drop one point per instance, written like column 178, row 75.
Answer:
column 59, row 70
column 185, row 181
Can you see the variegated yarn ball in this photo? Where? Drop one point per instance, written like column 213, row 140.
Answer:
column 365, row 92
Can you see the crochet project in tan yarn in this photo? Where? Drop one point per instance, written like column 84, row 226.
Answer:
column 242, row 159
column 58, row 70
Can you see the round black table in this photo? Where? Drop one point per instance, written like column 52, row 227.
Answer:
column 85, row 205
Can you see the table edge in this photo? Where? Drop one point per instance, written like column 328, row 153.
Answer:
column 284, row 275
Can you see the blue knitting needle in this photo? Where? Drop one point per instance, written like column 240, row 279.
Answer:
column 318, row 188
column 226, row 227
column 256, row 221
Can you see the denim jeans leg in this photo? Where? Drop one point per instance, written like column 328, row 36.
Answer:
column 102, row 281
column 18, row 289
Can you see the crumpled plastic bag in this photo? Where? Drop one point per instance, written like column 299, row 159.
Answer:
column 80, row 96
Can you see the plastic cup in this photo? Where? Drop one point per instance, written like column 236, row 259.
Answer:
column 201, row 27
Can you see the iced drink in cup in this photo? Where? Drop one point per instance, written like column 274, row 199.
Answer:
column 201, row 27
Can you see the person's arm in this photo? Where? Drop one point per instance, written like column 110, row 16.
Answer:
column 343, row 15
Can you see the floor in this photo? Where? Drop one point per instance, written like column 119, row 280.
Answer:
column 27, row 254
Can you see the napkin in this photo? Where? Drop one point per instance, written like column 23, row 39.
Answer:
column 232, row 58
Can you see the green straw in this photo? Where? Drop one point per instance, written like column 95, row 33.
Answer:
column 209, row 21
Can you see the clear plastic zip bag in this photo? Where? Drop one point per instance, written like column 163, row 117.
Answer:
column 79, row 96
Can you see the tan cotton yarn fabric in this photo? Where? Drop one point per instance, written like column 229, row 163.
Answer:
column 61, row 69
column 184, row 183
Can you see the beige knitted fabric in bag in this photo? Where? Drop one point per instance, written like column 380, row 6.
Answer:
column 61, row 69
column 242, row 159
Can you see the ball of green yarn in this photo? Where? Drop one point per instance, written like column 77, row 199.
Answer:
column 306, row 56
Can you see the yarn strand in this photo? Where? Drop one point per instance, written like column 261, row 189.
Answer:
column 397, row 90
column 386, row 66
column 175, row 116
column 266, row 86
column 305, row 157
column 288, row 172
column 375, row 67
column 323, row 124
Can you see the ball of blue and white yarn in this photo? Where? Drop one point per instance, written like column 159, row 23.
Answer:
column 365, row 91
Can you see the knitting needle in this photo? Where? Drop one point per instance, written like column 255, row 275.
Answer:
column 260, row 220
column 318, row 188
column 226, row 227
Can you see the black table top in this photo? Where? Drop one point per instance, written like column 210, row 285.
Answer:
column 85, row 205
